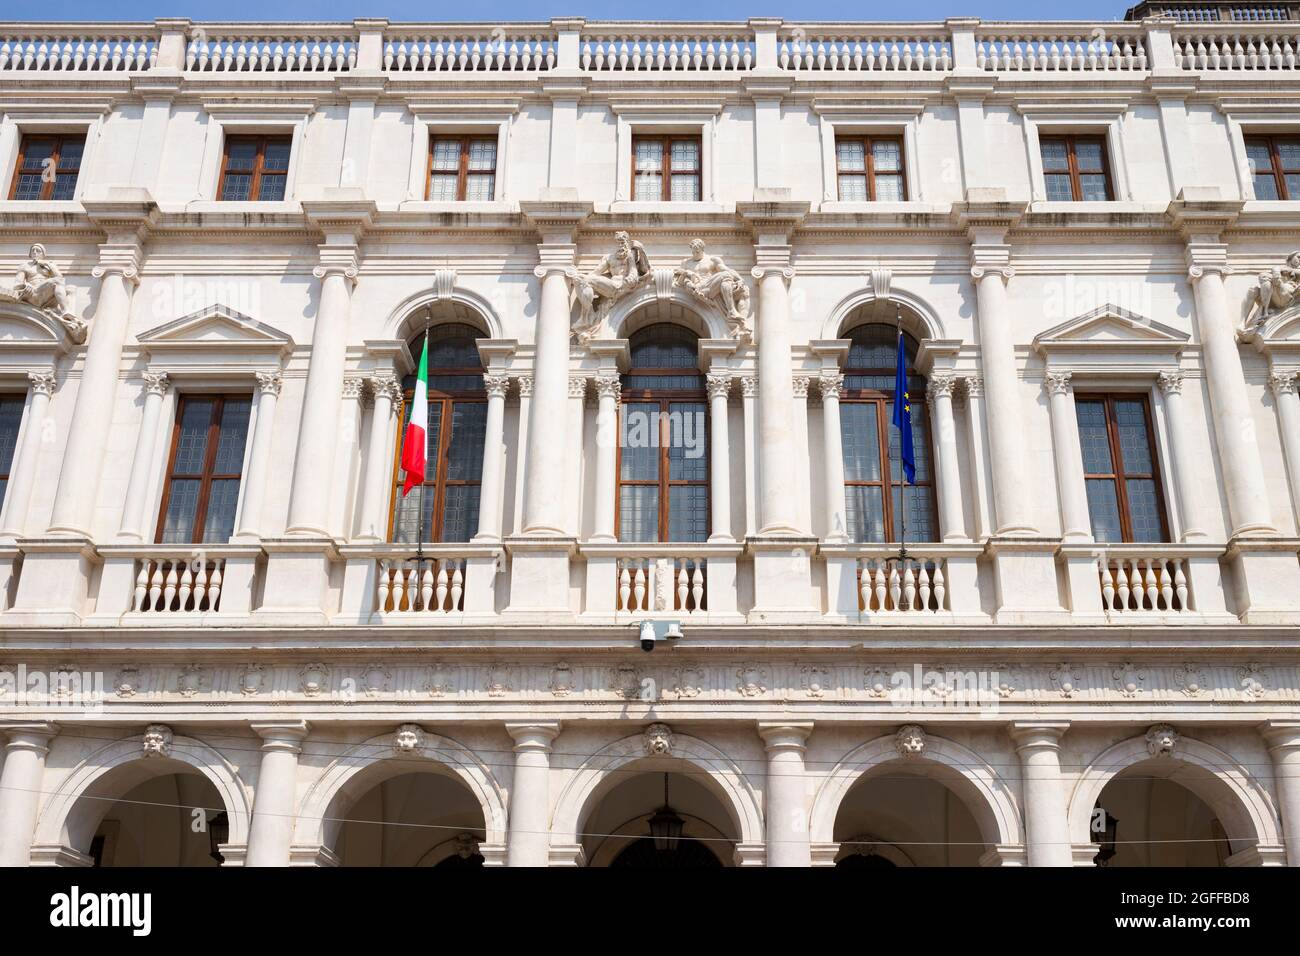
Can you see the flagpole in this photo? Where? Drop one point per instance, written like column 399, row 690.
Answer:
column 902, row 495
column 419, row 523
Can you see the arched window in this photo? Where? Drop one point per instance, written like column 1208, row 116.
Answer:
column 873, row 471
column 663, row 471
column 454, row 444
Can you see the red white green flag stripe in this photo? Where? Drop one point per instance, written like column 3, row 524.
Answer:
column 417, row 428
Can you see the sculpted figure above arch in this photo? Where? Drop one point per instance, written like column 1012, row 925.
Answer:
column 616, row 274
column 711, row 279
column 40, row 284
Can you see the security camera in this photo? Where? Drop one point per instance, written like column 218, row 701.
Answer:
column 651, row 632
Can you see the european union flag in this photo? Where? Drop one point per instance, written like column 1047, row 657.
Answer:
column 903, row 414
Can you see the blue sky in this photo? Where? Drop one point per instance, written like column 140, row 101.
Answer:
column 424, row 11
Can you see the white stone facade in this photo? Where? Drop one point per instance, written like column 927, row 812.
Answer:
column 516, row 719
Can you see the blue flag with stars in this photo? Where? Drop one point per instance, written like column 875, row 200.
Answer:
column 903, row 414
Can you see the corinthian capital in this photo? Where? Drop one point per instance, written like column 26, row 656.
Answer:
column 1057, row 382
column 940, row 386
column 42, row 381
column 1282, row 383
column 270, row 382
column 1170, row 382
column 155, row 383
column 719, row 384
column 496, row 385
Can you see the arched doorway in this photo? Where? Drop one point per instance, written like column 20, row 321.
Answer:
column 422, row 818
column 895, row 818
column 659, row 819
column 1144, row 820
column 172, row 819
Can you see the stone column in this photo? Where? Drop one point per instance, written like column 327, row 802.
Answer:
column 521, row 446
column 974, row 389
column 786, row 804
column 574, row 432
column 155, row 387
column 1047, row 832
column 803, row 473
column 1076, row 526
column 322, row 405
column 92, row 415
column 1002, row 386
column 20, row 788
column 386, row 392
column 530, row 797
column 608, row 389
column 749, row 401
column 22, row 477
column 952, row 523
column 778, row 514
column 1283, row 739
column 719, row 385
column 1234, row 425
column 270, row 833
column 548, row 465
column 1185, row 465
column 493, row 475
column 837, row 524
column 259, row 456
column 1288, row 414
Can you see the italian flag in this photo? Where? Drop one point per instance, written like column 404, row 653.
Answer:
column 417, row 429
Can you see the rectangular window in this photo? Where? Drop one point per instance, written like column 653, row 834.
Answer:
column 1121, row 473
column 1274, row 166
column 666, row 168
column 1076, row 168
column 663, row 487
column 873, row 495
column 254, row 168
column 462, row 168
column 870, row 169
column 204, row 468
column 453, row 473
column 11, row 419
column 48, row 167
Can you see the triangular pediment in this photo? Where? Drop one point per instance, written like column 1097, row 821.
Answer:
column 1111, row 324
column 216, row 327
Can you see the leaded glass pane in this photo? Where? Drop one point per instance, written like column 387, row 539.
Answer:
column 1134, row 442
column 864, row 509
column 853, row 188
column 860, row 438
column 219, row 522
column 192, row 444
column 182, row 510
column 479, row 187
column 1093, row 186
column 442, row 187
column 407, row 512
column 852, row 155
column 1056, row 155
column 1058, row 187
column 639, row 442
column 241, row 154
column 920, row 444
column 271, row 188
column 638, row 513
column 663, row 346
column 236, row 187
column 446, row 155
column 37, row 154
column 11, row 419
column 1103, row 509
column 65, row 185
column 685, row 155
column 887, row 155
column 1144, row 510
column 468, row 432
column 688, row 513
column 920, row 511
column 1088, row 155
column 275, row 158
column 231, row 436
column 460, row 512
column 1288, row 153
column 1266, row 186
column 482, row 154
column 70, row 153
column 1093, row 438
column 686, row 188
column 688, row 443
column 889, row 188
column 1259, row 156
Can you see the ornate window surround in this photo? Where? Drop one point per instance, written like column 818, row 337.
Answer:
column 431, row 120
column 651, row 119
column 847, row 120
column 1133, row 361
column 235, row 119
column 18, row 121
column 1100, row 119
column 198, row 365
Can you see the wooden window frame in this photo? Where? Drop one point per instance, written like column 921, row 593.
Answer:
column 1119, row 477
column 20, row 399
column 870, row 170
column 665, row 170
column 881, row 399
column 1072, row 141
column 47, row 185
column 255, row 187
column 463, row 170
column 441, row 481
column 665, row 398
column 207, row 476
column 1276, row 168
